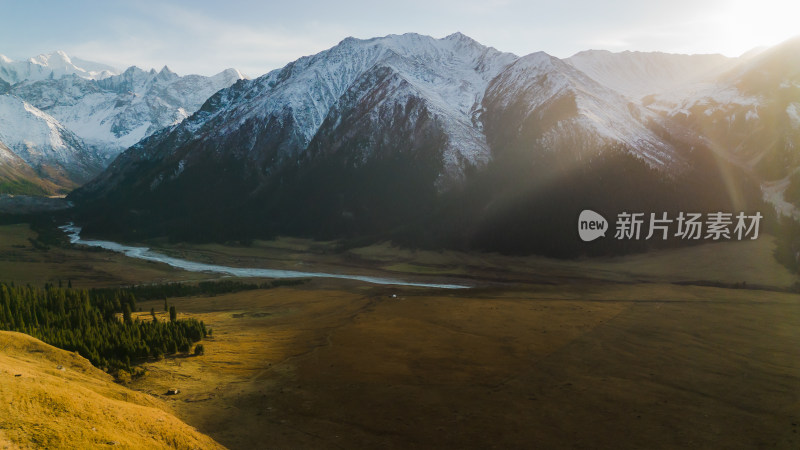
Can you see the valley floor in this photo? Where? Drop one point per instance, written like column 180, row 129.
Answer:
column 544, row 354
column 580, row 366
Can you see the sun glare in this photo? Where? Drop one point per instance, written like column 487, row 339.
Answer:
column 745, row 24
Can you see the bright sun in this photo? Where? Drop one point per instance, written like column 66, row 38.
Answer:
column 744, row 24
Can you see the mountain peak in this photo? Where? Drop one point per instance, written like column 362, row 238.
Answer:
column 58, row 57
column 591, row 52
column 349, row 40
column 132, row 70
column 461, row 38
column 458, row 35
column 539, row 60
column 233, row 73
column 166, row 74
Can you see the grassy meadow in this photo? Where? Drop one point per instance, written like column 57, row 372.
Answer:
column 686, row 348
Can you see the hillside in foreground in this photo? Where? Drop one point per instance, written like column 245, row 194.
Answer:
column 50, row 398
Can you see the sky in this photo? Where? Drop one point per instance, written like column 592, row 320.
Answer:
column 206, row 37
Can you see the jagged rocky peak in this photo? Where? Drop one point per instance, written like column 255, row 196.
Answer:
column 114, row 113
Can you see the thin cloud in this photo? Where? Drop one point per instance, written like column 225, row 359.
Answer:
column 206, row 37
column 191, row 42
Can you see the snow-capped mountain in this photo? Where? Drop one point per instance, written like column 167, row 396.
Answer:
column 744, row 109
column 274, row 119
column 116, row 112
column 52, row 66
column 641, row 74
column 39, row 140
column 411, row 79
column 364, row 95
column 375, row 134
column 95, row 111
column 750, row 116
column 588, row 115
column 450, row 74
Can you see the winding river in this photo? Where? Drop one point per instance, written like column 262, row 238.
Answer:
column 74, row 233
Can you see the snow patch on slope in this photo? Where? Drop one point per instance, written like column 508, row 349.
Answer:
column 38, row 138
column 451, row 73
column 114, row 113
column 604, row 114
column 793, row 111
column 28, row 130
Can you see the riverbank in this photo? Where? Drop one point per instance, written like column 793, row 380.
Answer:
column 146, row 254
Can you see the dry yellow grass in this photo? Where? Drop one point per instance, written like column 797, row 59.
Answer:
column 78, row 406
column 602, row 353
column 583, row 365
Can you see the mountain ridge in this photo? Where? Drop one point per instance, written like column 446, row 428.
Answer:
column 383, row 135
column 44, row 144
column 51, row 65
column 100, row 115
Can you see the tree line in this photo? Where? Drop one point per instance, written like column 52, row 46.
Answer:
column 98, row 324
column 210, row 288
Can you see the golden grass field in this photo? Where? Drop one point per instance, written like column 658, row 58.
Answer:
column 541, row 353
column 50, row 398
column 603, row 366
